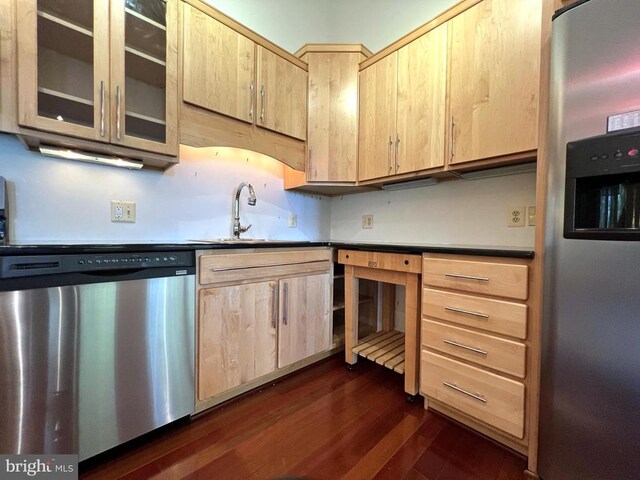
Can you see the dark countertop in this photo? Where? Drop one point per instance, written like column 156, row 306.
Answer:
column 97, row 248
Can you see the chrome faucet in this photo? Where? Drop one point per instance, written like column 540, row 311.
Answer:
column 237, row 228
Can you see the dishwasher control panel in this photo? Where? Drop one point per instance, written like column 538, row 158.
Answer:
column 34, row 265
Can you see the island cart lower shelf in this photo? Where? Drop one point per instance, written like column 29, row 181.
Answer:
column 395, row 350
column 384, row 348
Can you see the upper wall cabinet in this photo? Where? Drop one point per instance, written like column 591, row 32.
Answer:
column 402, row 109
column 283, row 95
column 495, row 76
column 220, row 75
column 219, row 65
column 99, row 70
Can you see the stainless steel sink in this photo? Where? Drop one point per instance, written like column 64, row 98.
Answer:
column 241, row 240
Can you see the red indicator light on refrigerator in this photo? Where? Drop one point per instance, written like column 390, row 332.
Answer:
column 634, row 152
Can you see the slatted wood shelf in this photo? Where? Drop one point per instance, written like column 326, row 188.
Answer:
column 384, row 348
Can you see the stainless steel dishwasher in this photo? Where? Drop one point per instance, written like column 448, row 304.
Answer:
column 95, row 349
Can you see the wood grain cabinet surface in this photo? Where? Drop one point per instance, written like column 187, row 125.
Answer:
column 261, row 314
column 402, row 109
column 494, row 80
column 99, row 70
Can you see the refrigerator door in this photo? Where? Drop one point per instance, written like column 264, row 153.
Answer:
column 590, row 391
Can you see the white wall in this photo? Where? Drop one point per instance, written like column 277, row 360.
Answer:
column 455, row 212
column 64, row 201
column 292, row 23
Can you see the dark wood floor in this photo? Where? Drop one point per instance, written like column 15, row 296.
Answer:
column 322, row 423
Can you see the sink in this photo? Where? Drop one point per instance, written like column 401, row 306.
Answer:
column 241, row 240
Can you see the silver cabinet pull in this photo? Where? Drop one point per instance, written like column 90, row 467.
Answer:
column 452, row 140
column 251, row 88
column 285, row 303
column 274, row 316
column 102, row 108
column 467, row 312
column 262, row 101
column 397, row 145
column 476, row 396
column 460, row 345
column 118, row 114
column 310, row 175
column 389, row 153
column 467, row 277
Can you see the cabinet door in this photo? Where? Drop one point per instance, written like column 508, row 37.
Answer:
column 144, row 71
column 494, row 79
column 236, row 336
column 376, row 136
column 422, row 83
column 305, row 318
column 63, row 67
column 282, row 95
column 219, row 66
column 333, row 116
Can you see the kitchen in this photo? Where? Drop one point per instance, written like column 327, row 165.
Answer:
column 193, row 199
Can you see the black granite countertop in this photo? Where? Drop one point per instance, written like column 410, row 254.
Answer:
column 59, row 248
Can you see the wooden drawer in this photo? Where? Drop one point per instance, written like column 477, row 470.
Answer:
column 485, row 350
column 489, row 278
column 505, row 318
column 490, row 398
column 384, row 261
column 239, row 267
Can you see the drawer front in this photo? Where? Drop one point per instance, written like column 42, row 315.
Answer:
column 489, row 278
column 485, row 350
column 505, row 318
column 380, row 260
column 490, row 398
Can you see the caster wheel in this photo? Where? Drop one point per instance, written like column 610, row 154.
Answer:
column 413, row 398
column 350, row 366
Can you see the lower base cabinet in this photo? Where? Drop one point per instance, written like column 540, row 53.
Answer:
column 261, row 314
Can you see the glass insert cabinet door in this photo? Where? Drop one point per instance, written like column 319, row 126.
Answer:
column 100, row 70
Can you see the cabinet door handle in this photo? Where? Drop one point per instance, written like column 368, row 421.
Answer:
column 251, row 88
column 118, row 114
column 389, row 154
column 452, row 139
column 274, row 317
column 467, row 277
column 466, row 347
column 285, row 303
column 102, row 108
column 262, row 101
column 467, row 312
column 397, row 148
column 310, row 175
column 477, row 396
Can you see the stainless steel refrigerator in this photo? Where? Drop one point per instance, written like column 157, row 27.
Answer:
column 590, row 390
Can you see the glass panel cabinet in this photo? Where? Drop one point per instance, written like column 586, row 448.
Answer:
column 100, row 70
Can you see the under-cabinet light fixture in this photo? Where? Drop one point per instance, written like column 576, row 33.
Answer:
column 497, row 172
column 90, row 158
column 424, row 182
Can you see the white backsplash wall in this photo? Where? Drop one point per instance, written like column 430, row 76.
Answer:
column 468, row 212
column 65, row 201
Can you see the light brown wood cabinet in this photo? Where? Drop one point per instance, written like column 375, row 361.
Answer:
column 101, row 71
column 402, row 109
column 305, row 318
column 219, row 66
column 261, row 314
column 477, row 345
column 494, row 80
column 226, row 72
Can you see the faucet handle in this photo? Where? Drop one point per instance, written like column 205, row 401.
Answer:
column 244, row 229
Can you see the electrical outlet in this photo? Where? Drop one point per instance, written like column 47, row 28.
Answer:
column 516, row 217
column 367, row 221
column 532, row 216
column 293, row 220
column 123, row 212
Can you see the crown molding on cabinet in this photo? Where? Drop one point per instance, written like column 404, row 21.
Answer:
column 333, row 48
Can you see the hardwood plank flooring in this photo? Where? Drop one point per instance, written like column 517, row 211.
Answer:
column 321, row 423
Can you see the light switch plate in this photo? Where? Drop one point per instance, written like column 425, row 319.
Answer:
column 532, row 216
